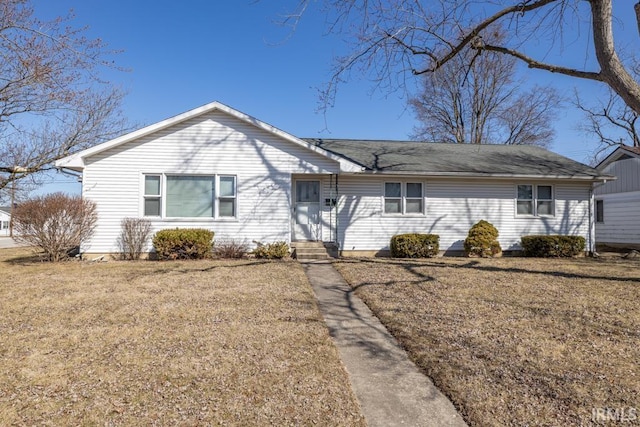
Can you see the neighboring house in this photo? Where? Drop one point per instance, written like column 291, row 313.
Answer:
column 218, row 168
column 5, row 218
column 617, row 202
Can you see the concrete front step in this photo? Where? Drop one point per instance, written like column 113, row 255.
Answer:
column 310, row 251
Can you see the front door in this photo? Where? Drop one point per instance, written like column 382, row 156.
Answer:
column 306, row 224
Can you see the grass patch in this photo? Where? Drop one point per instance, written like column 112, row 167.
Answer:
column 514, row 341
column 171, row 343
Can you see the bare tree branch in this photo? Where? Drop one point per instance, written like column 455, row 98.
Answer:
column 395, row 38
column 52, row 99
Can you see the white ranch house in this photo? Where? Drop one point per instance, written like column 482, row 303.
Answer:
column 217, row 168
column 618, row 201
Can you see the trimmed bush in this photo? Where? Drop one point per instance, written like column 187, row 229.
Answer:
column 276, row 250
column 482, row 240
column 553, row 246
column 183, row 243
column 415, row 245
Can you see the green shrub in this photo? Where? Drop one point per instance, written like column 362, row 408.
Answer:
column 553, row 246
column 482, row 240
column 276, row 250
column 183, row 243
column 414, row 245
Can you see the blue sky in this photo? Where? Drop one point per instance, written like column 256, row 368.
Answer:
column 181, row 55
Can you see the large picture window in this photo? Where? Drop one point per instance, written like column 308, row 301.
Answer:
column 403, row 198
column 190, row 196
column 535, row 200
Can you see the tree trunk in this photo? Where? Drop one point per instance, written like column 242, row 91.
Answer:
column 612, row 70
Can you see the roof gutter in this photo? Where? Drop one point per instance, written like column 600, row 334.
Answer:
column 590, row 178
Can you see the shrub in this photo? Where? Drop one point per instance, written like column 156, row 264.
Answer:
column 415, row 245
column 56, row 223
column 482, row 240
column 276, row 250
column 183, row 243
column 553, row 246
column 230, row 249
column 134, row 233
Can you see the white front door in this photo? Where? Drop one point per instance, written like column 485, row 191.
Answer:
column 306, row 215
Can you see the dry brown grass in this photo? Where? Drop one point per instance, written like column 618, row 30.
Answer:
column 515, row 341
column 173, row 343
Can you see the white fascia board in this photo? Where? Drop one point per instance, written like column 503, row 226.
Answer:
column 76, row 161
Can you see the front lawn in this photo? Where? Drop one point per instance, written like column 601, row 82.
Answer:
column 515, row 341
column 166, row 343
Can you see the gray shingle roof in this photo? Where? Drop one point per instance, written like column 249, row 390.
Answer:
column 456, row 159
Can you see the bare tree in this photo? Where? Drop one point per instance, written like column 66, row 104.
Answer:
column 393, row 39
column 477, row 99
column 612, row 122
column 52, row 99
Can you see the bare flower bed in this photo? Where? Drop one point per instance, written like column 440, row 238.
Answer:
column 171, row 343
column 516, row 341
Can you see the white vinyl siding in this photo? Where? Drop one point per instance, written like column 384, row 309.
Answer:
column 620, row 215
column 628, row 173
column 620, row 203
column 214, row 143
column 453, row 206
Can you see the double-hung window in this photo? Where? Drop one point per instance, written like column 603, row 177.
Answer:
column 152, row 195
column 227, row 196
column 535, row 200
column 190, row 196
column 403, row 198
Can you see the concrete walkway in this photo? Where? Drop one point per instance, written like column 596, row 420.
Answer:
column 390, row 388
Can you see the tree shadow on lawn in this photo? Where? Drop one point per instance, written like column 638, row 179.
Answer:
column 411, row 266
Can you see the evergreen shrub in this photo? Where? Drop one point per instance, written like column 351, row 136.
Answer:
column 482, row 240
column 183, row 243
column 553, row 246
column 415, row 245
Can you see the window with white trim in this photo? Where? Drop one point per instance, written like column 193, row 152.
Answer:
column 152, row 198
column 535, row 200
column 190, row 196
column 5, row 225
column 403, row 198
column 227, row 196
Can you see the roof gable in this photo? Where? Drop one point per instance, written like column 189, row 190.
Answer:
column 622, row 152
column 76, row 161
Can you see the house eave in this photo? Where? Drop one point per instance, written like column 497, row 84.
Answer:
column 466, row 175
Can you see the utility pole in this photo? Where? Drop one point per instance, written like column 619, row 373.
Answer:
column 13, row 201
